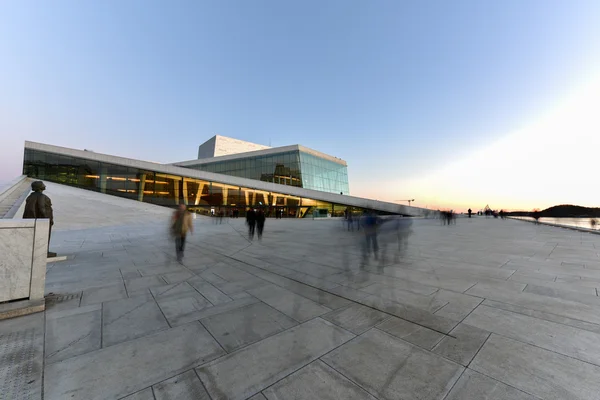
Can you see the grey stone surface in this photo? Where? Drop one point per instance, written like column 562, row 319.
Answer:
column 243, row 326
column 475, row 386
column 389, row 285
column 174, row 307
column 104, row 293
column 356, row 318
column 174, row 290
column 409, row 313
column 584, row 295
column 459, row 305
column 390, row 368
column 427, row 303
column 563, row 339
column 415, row 334
column 130, row 244
column 145, row 282
column 254, row 368
column 185, row 386
column 258, row 396
column 16, row 247
column 129, row 367
column 316, row 381
column 74, row 332
column 209, row 291
column 129, row 319
column 349, row 293
column 39, row 260
column 543, row 373
column 565, row 308
column 544, row 315
column 317, row 295
column 298, row 307
column 176, row 277
column 145, row 394
column 316, row 270
column 462, row 344
column 170, row 267
column 22, row 357
column 215, row 310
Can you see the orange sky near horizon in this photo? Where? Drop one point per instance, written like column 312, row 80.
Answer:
column 553, row 160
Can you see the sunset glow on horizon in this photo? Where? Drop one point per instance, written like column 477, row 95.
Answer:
column 550, row 162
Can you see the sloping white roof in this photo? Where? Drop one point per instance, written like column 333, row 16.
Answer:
column 231, row 180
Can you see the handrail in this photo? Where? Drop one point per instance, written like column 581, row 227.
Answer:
column 11, row 186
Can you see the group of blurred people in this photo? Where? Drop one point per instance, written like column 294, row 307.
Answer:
column 255, row 219
column 380, row 235
column 448, row 217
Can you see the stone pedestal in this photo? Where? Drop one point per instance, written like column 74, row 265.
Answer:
column 23, row 253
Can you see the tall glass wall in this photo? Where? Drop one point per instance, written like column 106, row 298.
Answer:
column 206, row 197
column 324, row 175
column 294, row 168
column 282, row 168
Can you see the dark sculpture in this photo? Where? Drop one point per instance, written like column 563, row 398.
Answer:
column 38, row 205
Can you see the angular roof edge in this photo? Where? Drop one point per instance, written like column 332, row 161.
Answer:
column 231, row 180
column 257, row 153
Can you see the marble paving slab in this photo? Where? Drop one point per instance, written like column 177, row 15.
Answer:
column 316, row 381
column 544, row 315
column 356, row 318
column 580, row 344
column 391, row 368
column 565, row 308
column 209, row 291
column 409, row 313
column 540, row 372
column 186, row 386
column 295, row 306
column 415, row 334
column 128, row 319
column 462, row 344
column 73, row 332
column 248, row 371
column 214, row 310
column 101, row 294
column 89, row 377
column 145, row 394
column 475, row 386
column 243, row 326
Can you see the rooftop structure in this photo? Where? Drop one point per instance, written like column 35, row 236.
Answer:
column 222, row 145
column 293, row 165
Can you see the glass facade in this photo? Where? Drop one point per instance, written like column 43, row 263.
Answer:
column 206, row 197
column 293, row 168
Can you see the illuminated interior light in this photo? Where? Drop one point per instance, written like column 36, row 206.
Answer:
column 92, row 176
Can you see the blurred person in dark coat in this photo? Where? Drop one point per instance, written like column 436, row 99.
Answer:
column 251, row 221
column 260, row 222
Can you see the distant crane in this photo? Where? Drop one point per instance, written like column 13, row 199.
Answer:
column 409, row 201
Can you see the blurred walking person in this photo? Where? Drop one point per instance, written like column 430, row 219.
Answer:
column 370, row 224
column 350, row 221
column 181, row 224
column 260, row 223
column 251, row 221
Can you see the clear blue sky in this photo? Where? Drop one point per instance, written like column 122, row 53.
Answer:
column 396, row 88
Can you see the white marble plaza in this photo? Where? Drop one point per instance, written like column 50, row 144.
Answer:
column 484, row 309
